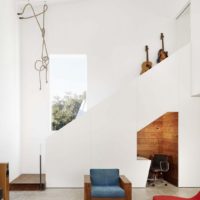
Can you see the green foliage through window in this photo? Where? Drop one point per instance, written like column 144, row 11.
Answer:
column 65, row 109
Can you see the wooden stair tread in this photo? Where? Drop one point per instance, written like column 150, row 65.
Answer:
column 29, row 179
column 28, row 182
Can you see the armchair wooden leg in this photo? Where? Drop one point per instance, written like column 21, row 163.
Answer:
column 87, row 188
column 127, row 186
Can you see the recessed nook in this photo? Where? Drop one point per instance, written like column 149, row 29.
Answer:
column 161, row 137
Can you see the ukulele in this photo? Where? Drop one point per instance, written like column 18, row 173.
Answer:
column 162, row 54
column 147, row 64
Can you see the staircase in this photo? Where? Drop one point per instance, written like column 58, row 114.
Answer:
column 105, row 137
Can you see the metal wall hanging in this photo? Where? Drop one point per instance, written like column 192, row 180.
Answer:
column 42, row 63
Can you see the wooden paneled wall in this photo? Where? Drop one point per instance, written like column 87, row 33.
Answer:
column 161, row 137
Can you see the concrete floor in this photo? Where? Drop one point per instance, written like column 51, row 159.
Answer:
column 77, row 194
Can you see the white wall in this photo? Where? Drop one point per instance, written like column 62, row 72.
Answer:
column 195, row 32
column 183, row 25
column 9, row 87
column 112, row 33
column 187, row 140
column 187, row 23
column 189, row 126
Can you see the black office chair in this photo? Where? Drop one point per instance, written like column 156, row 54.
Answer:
column 1, row 194
column 159, row 165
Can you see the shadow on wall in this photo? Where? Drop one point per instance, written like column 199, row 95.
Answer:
column 161, row 137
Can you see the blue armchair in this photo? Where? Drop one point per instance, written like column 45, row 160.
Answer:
column 106, row 184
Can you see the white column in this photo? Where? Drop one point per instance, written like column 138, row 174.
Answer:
column 195, row 38
column 9, row 87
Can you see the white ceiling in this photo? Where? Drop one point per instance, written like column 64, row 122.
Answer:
column 164, row 8
column 38, row 2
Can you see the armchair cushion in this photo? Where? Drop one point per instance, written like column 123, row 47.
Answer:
column 107, row 192
column 104, row 177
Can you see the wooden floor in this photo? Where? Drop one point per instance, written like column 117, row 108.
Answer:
column 26, row 182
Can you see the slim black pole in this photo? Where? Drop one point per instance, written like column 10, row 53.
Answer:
column 40, row 172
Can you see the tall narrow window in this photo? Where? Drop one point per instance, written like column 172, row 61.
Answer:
column 68, row 86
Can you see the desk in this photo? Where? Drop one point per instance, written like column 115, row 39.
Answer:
column 141, row 158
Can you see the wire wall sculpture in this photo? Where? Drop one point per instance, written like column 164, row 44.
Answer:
column 42, row 63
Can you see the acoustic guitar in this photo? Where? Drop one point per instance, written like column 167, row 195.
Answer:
column 147, row 64
column 162, row 54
